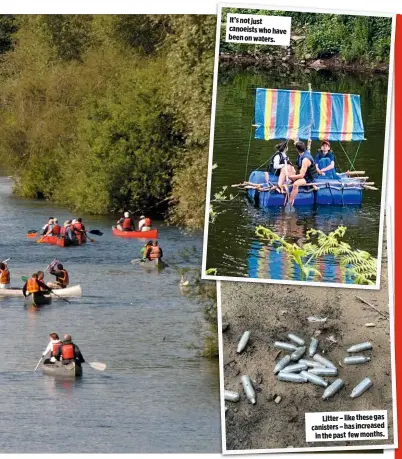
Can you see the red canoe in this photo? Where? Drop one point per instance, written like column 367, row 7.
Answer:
column 55, row 240
column 151, row 234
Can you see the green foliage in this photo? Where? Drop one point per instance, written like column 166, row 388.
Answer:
column 8, row 27
column 354, row 38
column 361, row 266
column 95, row 115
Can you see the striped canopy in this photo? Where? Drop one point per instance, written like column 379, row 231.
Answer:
column 288, row 114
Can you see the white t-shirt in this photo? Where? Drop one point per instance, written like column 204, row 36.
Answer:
column 49, row 348
column 277, row 159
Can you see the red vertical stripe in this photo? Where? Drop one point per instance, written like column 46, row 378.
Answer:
column 346, row 109
column 329, row 115
column 272, row 124
column 291, row 114
column 398, row 227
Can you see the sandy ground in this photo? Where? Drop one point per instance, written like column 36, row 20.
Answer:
column 270, row 312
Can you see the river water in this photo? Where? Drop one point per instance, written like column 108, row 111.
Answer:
column 156, row 395
column 233, row 247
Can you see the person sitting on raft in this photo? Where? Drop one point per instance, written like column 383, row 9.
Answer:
column 325, row 161
column 307, row 169
column 279, row 161
column 69, row 352
column 4, row 276
column 154, row 251
column 35, row 287
column 79, row 230
column 62, row 279
column 51, row 349
column 41, row 278
column 67, row 232
column 145, row 224
column 47, row 229
column 126, row 223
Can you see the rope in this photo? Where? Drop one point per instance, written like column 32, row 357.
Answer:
column 357, row 151
column 350, row 162
column 248, row 152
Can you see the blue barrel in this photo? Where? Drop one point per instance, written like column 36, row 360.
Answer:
column 352, row 195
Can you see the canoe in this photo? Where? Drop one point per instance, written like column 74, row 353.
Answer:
column 39, row 301
column 71, row 370
column 151, row 234
column 153, row 264
column 59, row 241
column 69, row 292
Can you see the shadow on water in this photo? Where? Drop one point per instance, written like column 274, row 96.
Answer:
column 232, row 239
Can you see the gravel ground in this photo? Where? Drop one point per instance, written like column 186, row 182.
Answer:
column 270, row 312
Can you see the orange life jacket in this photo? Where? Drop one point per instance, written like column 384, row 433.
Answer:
column 56, row 230
column 67, row 351
column 56, row 347
column 5, row 276
column 155, row 252
column 127, row 224
column 32, row 286
column 63, row 280
column 148, row 222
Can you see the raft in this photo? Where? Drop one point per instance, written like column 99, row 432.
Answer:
column 69, row 292
column 344, row 192
column 151, row 234
column 71, row 370
column 40, row 300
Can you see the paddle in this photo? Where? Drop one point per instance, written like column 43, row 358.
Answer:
column 5, row 261
column 137, row 260
column 25, row 278
column 97, row 366
column 38, row 363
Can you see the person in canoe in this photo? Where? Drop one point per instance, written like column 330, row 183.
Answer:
column 51, row 349
column 325, row 161
column 47, row 229
column 145, row 249
column 69, row 352
column 35, row 287
column 279, row 164
column 125, row 223
column 307, row 169
column 62, row 279
column 4, row 276
column 154, row 251
column 41, row 278
column 79, row 230
column 67, row 231
column 56, row 228
column 145, row 224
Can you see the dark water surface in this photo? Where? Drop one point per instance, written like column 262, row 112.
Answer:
column 233, row 247
column 156, row 394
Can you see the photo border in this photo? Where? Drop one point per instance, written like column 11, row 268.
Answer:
column 384, row 184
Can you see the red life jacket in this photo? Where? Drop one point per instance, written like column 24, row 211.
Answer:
column 127, row 224
column 67, row 351
column 32, row 286
column 56, row 230
column 56, row 347
column 148, row 222
column 63, row 231
column 5, row 276
column 155, row 252
column 63, row 280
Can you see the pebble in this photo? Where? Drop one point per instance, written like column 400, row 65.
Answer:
column 370, row 324
column 278, row 399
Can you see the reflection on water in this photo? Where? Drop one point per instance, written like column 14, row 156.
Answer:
column 269, row 263
column 232, row 235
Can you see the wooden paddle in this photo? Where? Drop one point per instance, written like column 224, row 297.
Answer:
column 25, row 278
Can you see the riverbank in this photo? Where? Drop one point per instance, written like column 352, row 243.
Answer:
column 287, row 62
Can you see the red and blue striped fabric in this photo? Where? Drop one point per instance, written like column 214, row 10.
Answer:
column 289, row 114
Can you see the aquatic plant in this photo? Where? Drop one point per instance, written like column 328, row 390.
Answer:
column 359, row 264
